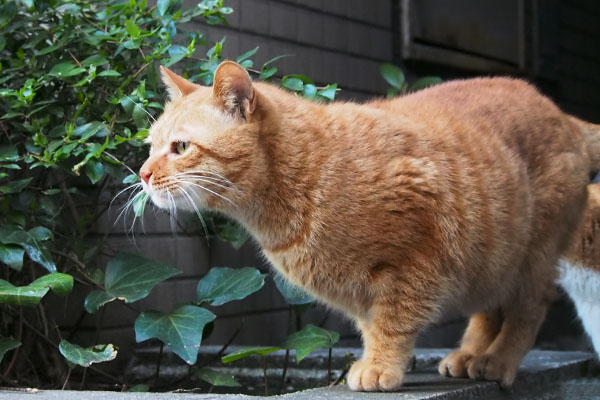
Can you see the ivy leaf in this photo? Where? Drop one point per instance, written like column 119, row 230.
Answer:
column 109, row 72
column 8, row 153
column 393, row 75
column 12, row 256
column 181, row 330
column 130, row 278
column 309, row 339
column 87, row 356
column 292, row 294
column 237, row 355
column 222, row 285
column 65, row 69
column 139, row 116
column 29, row 295
column 309, row 91
column 31, row 241
column 7, row 344
column 15, row 186
column 216, row 378
column 424, row 83
column 139, row 203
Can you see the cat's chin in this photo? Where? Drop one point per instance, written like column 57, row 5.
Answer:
column 178, row 202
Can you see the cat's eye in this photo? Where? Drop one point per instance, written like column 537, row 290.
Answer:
column 180, row 147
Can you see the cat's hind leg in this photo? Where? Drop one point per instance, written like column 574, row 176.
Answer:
column 480, row 333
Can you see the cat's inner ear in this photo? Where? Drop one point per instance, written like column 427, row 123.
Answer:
column 233, row 90
column 177, row 86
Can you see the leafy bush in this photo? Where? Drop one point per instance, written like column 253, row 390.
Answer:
column 79, row 86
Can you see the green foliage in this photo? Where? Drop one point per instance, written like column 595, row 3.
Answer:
column 251, row 351
column 395, row 77
column 310, row 339
column 222, row 285
column 130, row 278
column 79, row 85
column 181, row 329
column 30, row 295
column 85, row 357
column 7, row 344
column 217, row 378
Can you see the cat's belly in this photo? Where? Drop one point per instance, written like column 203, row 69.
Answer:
column 326, row 281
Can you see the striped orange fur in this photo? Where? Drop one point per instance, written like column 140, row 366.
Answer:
column 461, row 196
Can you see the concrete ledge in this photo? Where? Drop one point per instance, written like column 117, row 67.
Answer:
column 544, row 375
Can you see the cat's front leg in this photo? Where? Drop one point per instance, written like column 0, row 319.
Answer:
column 388, row 339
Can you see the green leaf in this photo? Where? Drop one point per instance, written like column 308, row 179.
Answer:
column 31, row 242
column 162, row 6
column 216, row 378
column 139, row 203
column 424, row 83
column 96, row 60
column 65, row 69
column 292, row 294
column 292, row 84
column 94, row 170
column 139, row 116
column 12, row 256
column 15, row 186
column 109, row 72
column 141, row 388
column 246, row 55
column 8, row 153
column 86, row 131
column 310, row 91
column 181, row 330
column 130, row 278
column 85, row 357
column 31, row 294
column 237, row 355
column 131, row 178
column 393, row 75
column 309, row 339
column 222, row 285
column 7, row 344
column 132, row 28
column 328, row 91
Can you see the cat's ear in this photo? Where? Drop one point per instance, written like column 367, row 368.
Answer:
column 233, row 90
column 177, row 86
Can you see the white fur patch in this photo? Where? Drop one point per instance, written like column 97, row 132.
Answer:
column 583, row 286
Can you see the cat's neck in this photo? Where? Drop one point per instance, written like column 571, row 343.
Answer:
column 279, row 212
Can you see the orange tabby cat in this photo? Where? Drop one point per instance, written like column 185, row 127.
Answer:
column 459, row 196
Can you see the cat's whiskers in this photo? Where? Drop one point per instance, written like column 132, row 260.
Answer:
column 206, row 180
column 206, row 189
column 201, row 171
column 125, row 207
column 194, row 206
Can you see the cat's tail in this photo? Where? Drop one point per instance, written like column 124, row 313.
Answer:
column 591, row 133
column 580, row 269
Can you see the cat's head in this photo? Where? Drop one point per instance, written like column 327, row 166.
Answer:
column 202, row 146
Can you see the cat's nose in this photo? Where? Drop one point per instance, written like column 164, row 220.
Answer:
column 145, row 175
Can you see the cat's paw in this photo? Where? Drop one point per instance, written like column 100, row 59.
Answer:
column 368, row 377
column 493, row 368
column 455, row 364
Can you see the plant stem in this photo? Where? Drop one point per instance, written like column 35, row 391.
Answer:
column 285, row 367
column 156, row 376
column 264, row 360
column 67, row 378
column 329, row 367
column 83, row 379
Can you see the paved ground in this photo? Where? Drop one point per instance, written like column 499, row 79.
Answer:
column 544, row 375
